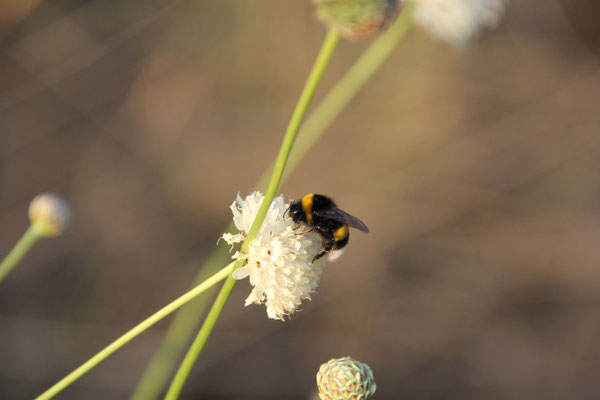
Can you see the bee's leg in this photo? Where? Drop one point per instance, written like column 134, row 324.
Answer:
column 319, row 255
column 303, row 233
column 326, row 249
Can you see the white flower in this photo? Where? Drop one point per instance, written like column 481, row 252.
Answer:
column 279, row 260
column 458, row 21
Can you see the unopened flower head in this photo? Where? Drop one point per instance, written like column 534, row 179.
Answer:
column 458, row 21
column 357, row 19
column 345, row 378
column 279, row 261
column 49, row 214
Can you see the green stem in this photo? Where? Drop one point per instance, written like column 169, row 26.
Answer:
column 198, row 343
column 316, row 123
column 321, row 62
column 16, row 254
column 179, row 332
column 128, row 336
column 349, row 85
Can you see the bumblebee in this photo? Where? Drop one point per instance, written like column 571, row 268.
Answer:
column 322, row 215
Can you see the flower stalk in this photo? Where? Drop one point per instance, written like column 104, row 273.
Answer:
column 321, row 62
column 350, row 84
column 18, row 252
column 134, row 332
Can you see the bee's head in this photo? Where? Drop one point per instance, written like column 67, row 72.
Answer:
column 295, row 211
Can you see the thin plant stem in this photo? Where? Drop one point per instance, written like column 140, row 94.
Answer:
column 21, row 248
column 198, row 343
column 329, row 44
column 321, row 62
column 349, row 85
column 180, row 330
column 135, row 331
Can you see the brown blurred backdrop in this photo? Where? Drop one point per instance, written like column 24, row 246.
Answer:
column 477, row 171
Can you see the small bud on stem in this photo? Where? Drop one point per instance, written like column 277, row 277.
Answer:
column 49, row 214
column 345, row 378
column 358, row 19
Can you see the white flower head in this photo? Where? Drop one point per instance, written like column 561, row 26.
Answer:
column 458, row 21
column 279, row 260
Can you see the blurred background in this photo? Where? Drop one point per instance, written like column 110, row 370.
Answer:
column 478, row 172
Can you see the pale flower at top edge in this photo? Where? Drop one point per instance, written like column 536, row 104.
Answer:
column 458, row 21
column 279, row 260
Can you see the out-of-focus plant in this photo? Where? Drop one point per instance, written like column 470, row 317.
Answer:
column 458, row 22
column 49, row 216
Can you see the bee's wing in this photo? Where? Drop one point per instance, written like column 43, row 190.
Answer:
column 342, row 216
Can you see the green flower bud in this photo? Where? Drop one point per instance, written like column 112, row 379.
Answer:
column 49, row 214
column 356, row 19
column 345, row 378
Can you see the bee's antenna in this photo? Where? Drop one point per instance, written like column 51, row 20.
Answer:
column 287, row 211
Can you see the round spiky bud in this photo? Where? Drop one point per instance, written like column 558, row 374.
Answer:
column 345, row 378
column 357, row 19
column 49, row 214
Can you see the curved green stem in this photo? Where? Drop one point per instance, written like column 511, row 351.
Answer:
column 128, row 336
column 321, row 62
column 180, row 330
column 16, row 254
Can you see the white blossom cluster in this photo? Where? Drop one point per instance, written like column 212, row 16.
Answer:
column 279, row 261
column 458, row 21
